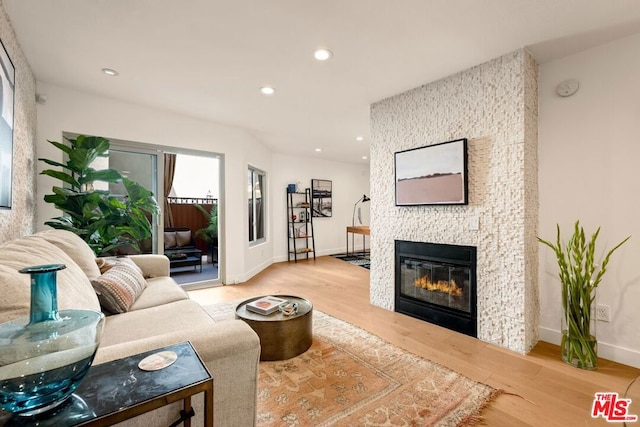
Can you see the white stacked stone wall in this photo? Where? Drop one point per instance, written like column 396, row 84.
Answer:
column 494, row 106
column 21, row 218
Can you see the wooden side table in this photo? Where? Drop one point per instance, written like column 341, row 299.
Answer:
column 118, row 390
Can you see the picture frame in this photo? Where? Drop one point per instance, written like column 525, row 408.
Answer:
column 7, row 100
column 432, row 175
column 321, row 198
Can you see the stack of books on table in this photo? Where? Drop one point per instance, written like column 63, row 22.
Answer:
column 265, row 305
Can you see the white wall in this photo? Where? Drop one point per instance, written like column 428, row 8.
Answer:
column 349, row 182
column 588, row 170
column 72, row 111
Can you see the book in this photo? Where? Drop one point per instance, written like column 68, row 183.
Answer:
column 265, row 305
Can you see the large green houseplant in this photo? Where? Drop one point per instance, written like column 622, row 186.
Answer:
column 106, row 222
column 579, row 277
column 209, row 233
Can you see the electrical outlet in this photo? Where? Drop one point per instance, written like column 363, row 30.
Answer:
column 602, row 312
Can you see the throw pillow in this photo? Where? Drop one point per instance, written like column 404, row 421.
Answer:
column 183, row 238
column 170, row 239
column 105, row 264
column 120, row 286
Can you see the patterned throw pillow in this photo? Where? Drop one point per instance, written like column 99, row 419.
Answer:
column 105, row 264
column 120, row 286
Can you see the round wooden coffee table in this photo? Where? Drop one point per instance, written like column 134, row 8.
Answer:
column 281, row 337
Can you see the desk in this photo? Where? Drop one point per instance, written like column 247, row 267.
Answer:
column 358, row 229
column 118, row 390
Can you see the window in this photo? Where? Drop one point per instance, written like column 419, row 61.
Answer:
column 256, row 205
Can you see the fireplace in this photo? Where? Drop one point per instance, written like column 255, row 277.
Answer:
column 437, row 283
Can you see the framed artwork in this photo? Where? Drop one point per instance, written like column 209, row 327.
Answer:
column 432, row 175
column 7, row 85
column 321, row 198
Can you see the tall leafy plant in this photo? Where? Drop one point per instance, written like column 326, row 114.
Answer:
column 209, row 233
column 106, row 222
column 579, row 275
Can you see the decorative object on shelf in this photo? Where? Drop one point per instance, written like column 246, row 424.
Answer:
column 107, row 222
column 321, row 191
column 7, row 90
column 300, row 236
column 579, row 276
column 432, row 175
column 362, row 199
column 291, row 188
column 44, row 357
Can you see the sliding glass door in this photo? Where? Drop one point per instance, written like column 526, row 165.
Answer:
column 140, row 166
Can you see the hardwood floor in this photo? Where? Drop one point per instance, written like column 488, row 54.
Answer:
column 540, row 390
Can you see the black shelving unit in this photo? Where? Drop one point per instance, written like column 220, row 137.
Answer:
column 300, row 238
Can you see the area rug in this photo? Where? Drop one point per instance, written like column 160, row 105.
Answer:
column 350, row 377
column 355, row 260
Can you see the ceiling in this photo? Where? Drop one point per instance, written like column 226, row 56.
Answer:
column 208, row 58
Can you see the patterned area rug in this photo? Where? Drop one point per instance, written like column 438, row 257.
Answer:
column 350, row 377
column 355, row 260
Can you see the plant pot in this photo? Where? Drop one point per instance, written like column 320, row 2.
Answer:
column 212, row 251
column 579, row 345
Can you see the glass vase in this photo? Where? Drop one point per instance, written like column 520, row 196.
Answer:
column 579, row 345
column 44, row 357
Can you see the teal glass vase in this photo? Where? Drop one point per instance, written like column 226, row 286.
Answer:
column 44, row 357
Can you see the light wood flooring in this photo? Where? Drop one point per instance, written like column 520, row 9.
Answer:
column 540, row 390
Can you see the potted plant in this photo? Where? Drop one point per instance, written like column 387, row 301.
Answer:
column 209, row 233
column 106, row 222
column 579, row 277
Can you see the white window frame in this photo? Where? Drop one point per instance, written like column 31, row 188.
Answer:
column 252, row 189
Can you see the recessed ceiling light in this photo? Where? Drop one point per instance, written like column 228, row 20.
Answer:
column 267, row 90
column 359, row 138
column 322, row 54
column 364, row 157
column 318, row 150
column 110, row 72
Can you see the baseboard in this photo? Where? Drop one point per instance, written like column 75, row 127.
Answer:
column 622, row 355
column 326, row 252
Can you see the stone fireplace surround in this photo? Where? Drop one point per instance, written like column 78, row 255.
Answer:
column 494, row 105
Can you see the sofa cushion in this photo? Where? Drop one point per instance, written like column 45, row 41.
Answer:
column 74, row 289
column 77, row 249
column 159, row 290
column 183, row 238
column 169, row 239
column 120, row 286
column 179, row 316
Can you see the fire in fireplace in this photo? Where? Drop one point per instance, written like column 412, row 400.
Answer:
column 436, row 283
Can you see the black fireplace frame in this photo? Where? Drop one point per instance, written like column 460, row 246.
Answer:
column 457, row 320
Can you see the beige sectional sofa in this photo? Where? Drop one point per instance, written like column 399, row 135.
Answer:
column 162, row 315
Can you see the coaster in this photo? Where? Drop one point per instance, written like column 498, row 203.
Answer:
column 158, row 361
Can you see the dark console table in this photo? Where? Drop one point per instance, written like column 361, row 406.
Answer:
column 118, row 390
